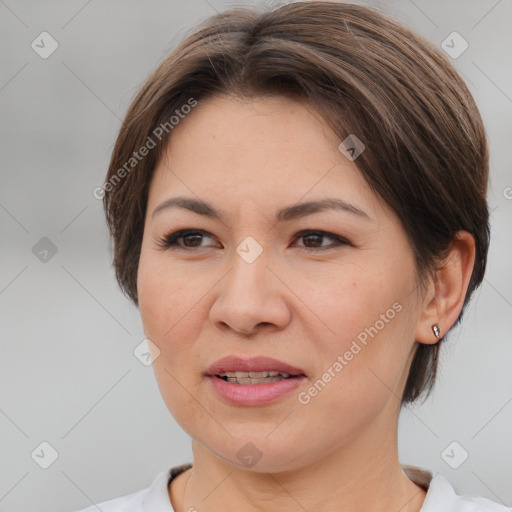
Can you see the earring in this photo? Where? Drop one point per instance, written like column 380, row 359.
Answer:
column 436, row 330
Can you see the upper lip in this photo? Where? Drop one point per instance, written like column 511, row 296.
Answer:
column 251, row 364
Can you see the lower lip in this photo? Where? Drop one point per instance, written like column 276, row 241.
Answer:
column 254, row 394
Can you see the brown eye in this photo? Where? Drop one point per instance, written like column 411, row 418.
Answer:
column 313, row 240
column 190, row 239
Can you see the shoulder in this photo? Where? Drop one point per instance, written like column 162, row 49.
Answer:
column 153, row 498
column 441, row 496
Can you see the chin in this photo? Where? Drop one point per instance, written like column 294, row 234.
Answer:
column 261, row 454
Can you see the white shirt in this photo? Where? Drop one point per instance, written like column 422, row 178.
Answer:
column 440, row 497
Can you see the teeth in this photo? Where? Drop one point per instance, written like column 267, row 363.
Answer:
column 247, row 381
column 248, row 378
column 253, row 375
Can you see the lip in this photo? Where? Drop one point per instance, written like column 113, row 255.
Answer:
column 252, row 364
column 253, row 394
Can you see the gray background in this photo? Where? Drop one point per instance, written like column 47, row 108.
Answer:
column 68, row 375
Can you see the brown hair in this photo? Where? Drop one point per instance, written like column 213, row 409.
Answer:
column 426, row 152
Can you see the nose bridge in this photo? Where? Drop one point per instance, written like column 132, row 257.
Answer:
column 248, row 279
column 249, row 262
column 249, row 295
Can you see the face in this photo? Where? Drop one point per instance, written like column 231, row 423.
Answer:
column 329, row 294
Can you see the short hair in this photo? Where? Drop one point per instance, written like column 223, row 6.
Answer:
column 426, row 153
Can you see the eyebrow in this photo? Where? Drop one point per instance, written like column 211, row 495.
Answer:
column 295, row 211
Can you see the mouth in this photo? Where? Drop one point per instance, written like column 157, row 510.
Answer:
column 254, row 370
column 253, row 382
column 251, row 378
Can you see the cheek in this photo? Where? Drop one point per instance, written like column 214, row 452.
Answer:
column 354, row 301
column 370, row 312
column 169, row 308
column 164, row 298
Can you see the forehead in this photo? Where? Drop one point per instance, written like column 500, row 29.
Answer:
column 264, row 150
column 247, row 124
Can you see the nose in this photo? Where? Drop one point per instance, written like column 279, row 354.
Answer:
column 250, row 298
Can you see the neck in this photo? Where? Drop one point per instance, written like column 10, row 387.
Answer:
column 365, row 474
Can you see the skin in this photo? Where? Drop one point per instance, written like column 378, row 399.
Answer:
column 203, row 302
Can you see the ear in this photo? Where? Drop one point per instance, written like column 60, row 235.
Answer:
column 446, row 292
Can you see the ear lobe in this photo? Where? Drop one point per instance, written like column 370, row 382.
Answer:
column 446, row 293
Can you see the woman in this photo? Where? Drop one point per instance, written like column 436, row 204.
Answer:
column 297, row 202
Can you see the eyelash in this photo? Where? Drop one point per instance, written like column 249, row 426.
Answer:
column 170, row 241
